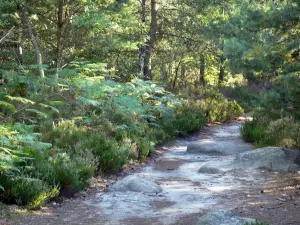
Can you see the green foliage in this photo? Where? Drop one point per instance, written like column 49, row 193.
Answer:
column 190, row 118
column 254, row 132
column 276, row 117
column 245, row 98
column 284, row 132
column 217, row 107
column 73, row 172
column 15, row 161
column 30, row 191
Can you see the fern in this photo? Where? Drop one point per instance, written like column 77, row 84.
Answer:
column 8, row 106
column 20, row 100
column 49, row 107
column 37, row 112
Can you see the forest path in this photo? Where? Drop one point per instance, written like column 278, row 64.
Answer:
column 187, row 194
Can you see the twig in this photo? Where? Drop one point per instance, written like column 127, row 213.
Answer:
column 2, row 39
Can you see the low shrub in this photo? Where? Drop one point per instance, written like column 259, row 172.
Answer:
column 25, row 190
column 73, row 172
column 245, row 98
column 284, row 132
column 220, row 109
column 253, row 131
column 189, row 119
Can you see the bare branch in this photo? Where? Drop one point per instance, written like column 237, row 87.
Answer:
column 2, row 39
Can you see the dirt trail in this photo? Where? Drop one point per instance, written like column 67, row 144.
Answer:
column 187, row 194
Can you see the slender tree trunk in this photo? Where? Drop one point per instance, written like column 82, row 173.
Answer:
column 176, row 72
column 202, row 69
column 60, row 24
column 182, row 75
column 222, row 60
column 39, row 58
column 20, row 50
column 142, row 50
column 163, row 72
column 152, row 39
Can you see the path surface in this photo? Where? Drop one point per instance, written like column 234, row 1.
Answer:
column 187, row 194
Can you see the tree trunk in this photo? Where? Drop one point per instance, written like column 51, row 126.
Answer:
column 222, row 60
column 152, row 39
column 142, row 50
column 182, row 76
column 39, row 58
column 163, row 72
column 60, row 24
column 176, row 72
column 202, row 69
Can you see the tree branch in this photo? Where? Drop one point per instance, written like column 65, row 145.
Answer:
column 2, row 39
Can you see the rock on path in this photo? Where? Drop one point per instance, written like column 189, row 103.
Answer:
column 136, row 184
column 217, row 147
column 223, row 218
column 273, row 158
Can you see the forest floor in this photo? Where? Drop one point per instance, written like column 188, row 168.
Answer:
column 268, row 196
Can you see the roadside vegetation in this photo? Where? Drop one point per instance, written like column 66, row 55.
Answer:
column 61, row 134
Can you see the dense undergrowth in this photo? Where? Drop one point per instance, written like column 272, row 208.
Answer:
column 57, row 134
column 276, row 114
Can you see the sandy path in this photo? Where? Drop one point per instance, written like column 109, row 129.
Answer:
column 186, row 194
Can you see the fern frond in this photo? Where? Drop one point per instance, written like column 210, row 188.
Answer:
column 8, row 106
column 87, row 101
column 49, row 107
column 20, row 99
column 37, row 112
column 6, row 150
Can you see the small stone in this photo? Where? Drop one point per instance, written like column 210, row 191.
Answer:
column 224, row 218
column 136, row 184
column 297, row 192
column 208, row 169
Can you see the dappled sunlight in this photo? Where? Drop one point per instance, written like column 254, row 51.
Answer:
column 258, row 203
column 222, row 188
column 207, row 141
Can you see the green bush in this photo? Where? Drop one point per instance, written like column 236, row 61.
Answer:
column 73, row 172
column 252, row 131
column 284, row 132
column 190, row 119
column 216, row 106
column 245, row 98
column 27, row 191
